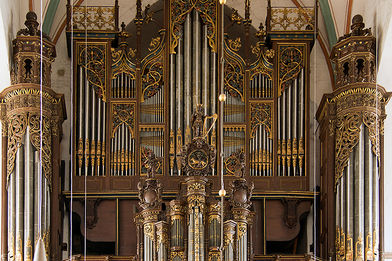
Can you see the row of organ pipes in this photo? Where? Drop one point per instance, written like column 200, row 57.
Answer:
column 123, row 86
column 261, row 86
column 291, row 132
column 151, row 109
column 192, row 79
column 357, row 204
column 122, row 152
column 91, row 137
column 24, row 185
column 261, row 156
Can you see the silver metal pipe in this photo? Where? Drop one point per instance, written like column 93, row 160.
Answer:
column 87, row 127
column 28, row 198
column 93, row 127
column 196, row 58
column 103, row 149
column 187, row 73
column 358, row 192
column 36, row 195
column 368, row 231
column 205, row 70
column 11, row 214
column 99, row 140
column 81, row 109
column 19, row 204
column 375, row 206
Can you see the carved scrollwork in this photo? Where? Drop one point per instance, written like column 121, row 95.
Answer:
column 152, row 68
column 123, row 113
column 348, row 128
column 241, row 193
column 41, row 138
column 17, row 126
column 290, row 63
column 261, row 113
column 92, row 57
column 234, row 73
column 207, row 10
column 235, row 164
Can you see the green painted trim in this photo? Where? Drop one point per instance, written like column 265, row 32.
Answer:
column 329, row 24
column 49, row 16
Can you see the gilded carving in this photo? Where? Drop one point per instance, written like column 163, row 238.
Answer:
column 92, row 57
column 290, row 63
column 207, row 10
column 234, row 72
column 152, row 69
column 123, row 113
column 261, row 113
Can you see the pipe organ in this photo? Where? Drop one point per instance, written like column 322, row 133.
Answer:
column 351, row 119
column 182, row 101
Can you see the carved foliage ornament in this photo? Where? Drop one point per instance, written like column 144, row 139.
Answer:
column 17, row 126
column 347, row 130
column 291, row 61
column 152, row 68
column 123, row 113
column 234, row 69
column 92, row 57
column 261, row 113
column 207, row 10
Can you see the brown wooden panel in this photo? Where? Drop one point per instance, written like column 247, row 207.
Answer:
column 127, row 227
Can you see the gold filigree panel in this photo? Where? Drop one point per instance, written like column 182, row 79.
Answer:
column 207, row 10
column 94, row 18
column 292, row 19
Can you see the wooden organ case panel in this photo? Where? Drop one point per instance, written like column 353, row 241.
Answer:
column 136, row 88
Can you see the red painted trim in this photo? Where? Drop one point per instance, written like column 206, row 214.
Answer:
column 348, row 17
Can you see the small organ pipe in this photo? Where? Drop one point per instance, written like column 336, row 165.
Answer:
column 358, row 192
column 368, row 232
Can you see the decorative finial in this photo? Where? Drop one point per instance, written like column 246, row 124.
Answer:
column 31, row 23
column 123, row 36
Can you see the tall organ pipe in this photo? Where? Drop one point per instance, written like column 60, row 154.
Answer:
column 187, row 74
column 99, row 140
column 205, row 70
column 29, row 197
column 81, row 109
column 87, row 127
column 93, row 141
column 196, row 86
column 19, row 204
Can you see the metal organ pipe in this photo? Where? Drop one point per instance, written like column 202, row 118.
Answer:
column 87, row 128
column 187, row 74
column 205, row 70
column 19, row 204
column 29, row 196
column 196, row 58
